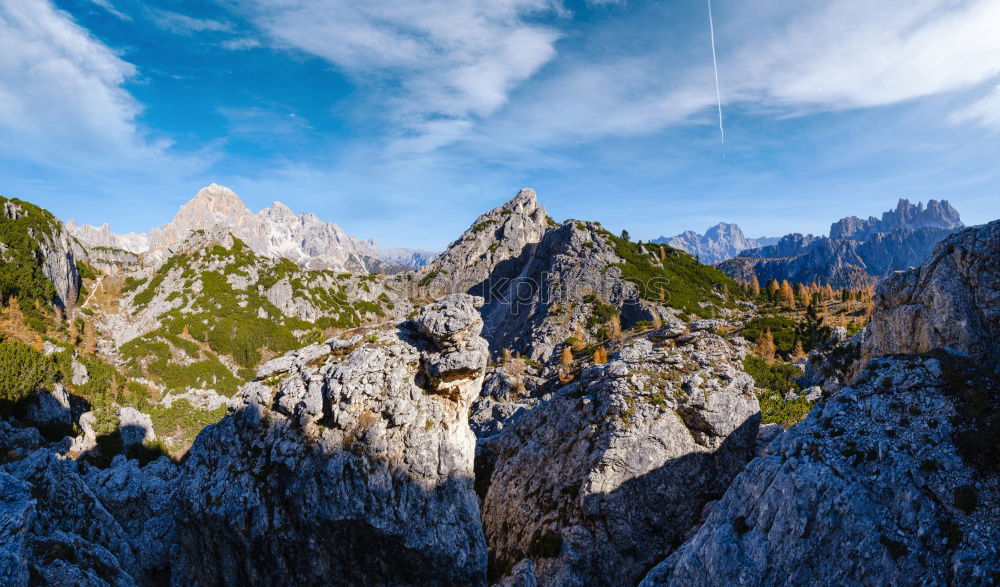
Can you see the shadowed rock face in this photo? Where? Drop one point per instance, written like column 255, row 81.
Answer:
column 357, row 464
column 597, row 484
column 951, row 301
column 877, row 485
column 570, row 261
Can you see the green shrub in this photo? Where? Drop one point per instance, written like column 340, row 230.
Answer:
column 132, row 283
column 23, row 371
column 21, row 272
column 775, row 409
column 86, row 270
column 774, row 381
column 778, row 377
column 601, row 314
column 684, row 281
column 182, row 417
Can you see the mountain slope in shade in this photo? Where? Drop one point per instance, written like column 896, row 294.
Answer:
column 275, row 231
column 856, row 250
column 720, row 242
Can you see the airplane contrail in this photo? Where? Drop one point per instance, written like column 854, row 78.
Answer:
column 715, row 65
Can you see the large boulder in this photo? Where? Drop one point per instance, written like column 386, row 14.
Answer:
column 351, row 460
column 607, row 477
column 893, row 481
column 951, row 301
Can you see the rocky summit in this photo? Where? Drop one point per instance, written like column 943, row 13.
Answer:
column 856, row 251
column 275, row 232
column 260, row 399
column 720, row 242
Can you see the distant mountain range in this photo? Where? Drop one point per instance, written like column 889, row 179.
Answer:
column 275, row 231
column 720, row 242
column 856, row 250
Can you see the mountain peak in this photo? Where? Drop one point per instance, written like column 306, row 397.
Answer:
column 720, row 242
column 905, row 216
column 217, row 198
column 278, row 210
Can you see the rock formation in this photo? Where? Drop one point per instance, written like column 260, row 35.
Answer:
column 45, row 245
column 350, row 459
column 274, row 232
column 499, row 238
column 720, row 242
column 857, row 250
column 951, row 301
column 610, row 474
column 872, row 486
column 356, row 463
column 896, row 477
column 905, row 216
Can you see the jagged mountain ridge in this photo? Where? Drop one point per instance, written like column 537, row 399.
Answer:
column 937, row 214
column 546, row 281
column 275, row 231
column 720, row 242
column 856, row 251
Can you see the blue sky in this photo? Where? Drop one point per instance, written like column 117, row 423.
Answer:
column 403, row 120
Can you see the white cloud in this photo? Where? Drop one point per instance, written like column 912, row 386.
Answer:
column 442, row 63
column 985, row 111
column 108, row 6
column 241, row 44
column 777, row 58
column 186, row 25
column 62, row 100
column 855, row 53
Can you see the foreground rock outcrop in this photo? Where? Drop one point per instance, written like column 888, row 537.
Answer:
column 877, row 485
column 350, row 459
column 353, row 459
column 952, row 300
column 598, row 483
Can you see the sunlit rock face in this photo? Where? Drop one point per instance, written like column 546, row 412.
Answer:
column 599, row 483
column 350, row 459
column 951, row 301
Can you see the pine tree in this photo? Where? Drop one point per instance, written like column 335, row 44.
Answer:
column 567, row 357
column 797, row 352
column 765, row 347
column 787, row 295
column 755, row 286
column 806, row 298
column 600, row 356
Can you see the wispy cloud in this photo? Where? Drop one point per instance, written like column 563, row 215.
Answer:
column 984, row 111
column 778, row 59
column 442, row 64
column 109, row 7
column 241, row 44
column 187, row 25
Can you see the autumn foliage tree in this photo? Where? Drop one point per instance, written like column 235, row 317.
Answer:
column 600, row 356
column 765, row 347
